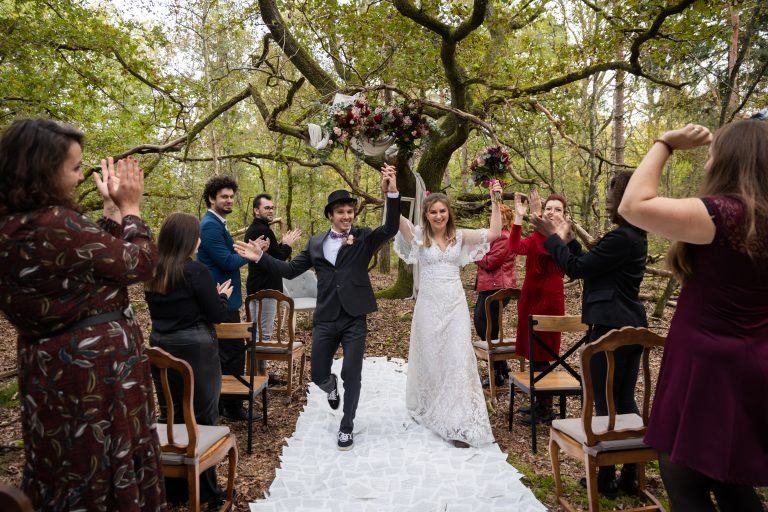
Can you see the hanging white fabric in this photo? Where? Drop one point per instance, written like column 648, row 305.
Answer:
column 421, row 193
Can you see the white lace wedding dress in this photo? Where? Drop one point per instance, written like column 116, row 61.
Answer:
column 443, row 390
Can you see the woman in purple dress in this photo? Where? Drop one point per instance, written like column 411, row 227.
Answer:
column 84, row 382
column 710, row 415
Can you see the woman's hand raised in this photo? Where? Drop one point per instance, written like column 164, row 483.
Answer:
column 126, row 192
column 687, row 137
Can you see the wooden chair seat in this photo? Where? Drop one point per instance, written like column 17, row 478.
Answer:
column 298, row 348
column 556, row 382
column 507, row 348
column 230, row 385
column 612, row 439
column 13, row 499
column 209, row 440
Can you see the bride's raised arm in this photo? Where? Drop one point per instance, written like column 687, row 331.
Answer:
column 406, row 229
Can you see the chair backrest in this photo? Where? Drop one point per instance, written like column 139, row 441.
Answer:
column 164, row 361
column 608, row 344
column 499, row 296
column 556, row 323
column 304, row 285
column 283, row 333
column 13, row 499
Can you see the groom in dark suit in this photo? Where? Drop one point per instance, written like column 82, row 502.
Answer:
column 340, row 257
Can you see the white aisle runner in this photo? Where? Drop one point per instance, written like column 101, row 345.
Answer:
column 396, row 465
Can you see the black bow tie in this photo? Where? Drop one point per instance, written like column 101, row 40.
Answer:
column 336, row 236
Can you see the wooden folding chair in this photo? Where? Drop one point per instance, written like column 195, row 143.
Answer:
column 612, row 439
column 550, row 382
column 244, row 385
column 502, row 348
column 188, row 449
column 282, row 346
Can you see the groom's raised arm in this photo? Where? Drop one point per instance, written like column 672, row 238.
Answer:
column 392, row 220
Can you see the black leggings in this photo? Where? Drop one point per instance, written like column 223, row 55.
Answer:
column 690, row 490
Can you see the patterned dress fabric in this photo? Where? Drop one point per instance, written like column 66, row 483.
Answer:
column 85, row 394
column 542, row 292
column 710, row 412
column 443, row 391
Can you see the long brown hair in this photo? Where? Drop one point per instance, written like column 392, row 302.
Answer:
column 738, row 167
column 450, row 226
column 32, row 153
column 507, row 217
column 175, row 244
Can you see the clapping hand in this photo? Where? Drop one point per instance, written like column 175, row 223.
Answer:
column 535, row 199
column 225, row 288
column 107, row 174
column 520, row 208
column 126, row 186
column 252, row 250
column 291, row 236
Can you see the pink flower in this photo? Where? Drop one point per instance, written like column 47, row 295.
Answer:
column 415, row 133
column 336, row 131
column 407, row 121
column 350, row 239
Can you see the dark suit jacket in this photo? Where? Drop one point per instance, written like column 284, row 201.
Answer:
column 346, row 285
column 612, row 272
column 217, row 252
column 257, row 278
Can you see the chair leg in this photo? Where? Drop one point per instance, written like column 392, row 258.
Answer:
column 511, row 404
column 301, row 370
column 554, row 457
column 231, row 475
column 193, row 487
column 592, row 495
column 533, row 422
column 562, row 406
column 250, row 422
column 290, row 379
column 264, row 406
column 491, row 378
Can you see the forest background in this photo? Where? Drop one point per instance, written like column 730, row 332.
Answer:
column 574, row 90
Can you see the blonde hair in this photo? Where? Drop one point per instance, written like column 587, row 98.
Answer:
column 450, row 226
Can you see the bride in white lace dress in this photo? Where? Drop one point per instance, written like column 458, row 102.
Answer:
column 443, row 391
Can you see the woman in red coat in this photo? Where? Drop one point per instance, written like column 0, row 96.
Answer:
column 497, row 270
column 542, row 292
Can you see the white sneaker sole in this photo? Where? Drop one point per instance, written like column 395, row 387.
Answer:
column 345, row 448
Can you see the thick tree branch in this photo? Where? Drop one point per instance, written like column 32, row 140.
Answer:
column 295, row 52
column 145, row 81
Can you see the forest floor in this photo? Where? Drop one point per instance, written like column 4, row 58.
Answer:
column 388, row 335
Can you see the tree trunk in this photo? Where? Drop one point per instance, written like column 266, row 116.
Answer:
column 658, row 311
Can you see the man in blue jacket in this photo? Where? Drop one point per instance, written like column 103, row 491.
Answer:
column 217, row 253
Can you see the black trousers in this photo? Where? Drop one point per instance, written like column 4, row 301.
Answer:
column 198, row 347
column 236, row 366
column 481, row 324
column 625, row 371
column 349, row 332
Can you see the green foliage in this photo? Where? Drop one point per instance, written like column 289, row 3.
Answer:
column 9, row 395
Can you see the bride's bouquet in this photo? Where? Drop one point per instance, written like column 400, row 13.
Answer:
column 490, row 165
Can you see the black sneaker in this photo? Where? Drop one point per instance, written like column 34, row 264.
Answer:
column 235, row 413
column 345, row 441
column 498, row 380
column 333, row 398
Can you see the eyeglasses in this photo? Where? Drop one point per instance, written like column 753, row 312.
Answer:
column 268, row 207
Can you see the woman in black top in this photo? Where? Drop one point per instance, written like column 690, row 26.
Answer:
column 612, row 271
column 184, row 303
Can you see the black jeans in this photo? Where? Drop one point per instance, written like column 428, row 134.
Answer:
column 237, row 365
column 626, row 368
column 481, row 324
column 350, row 332
column 198, row 347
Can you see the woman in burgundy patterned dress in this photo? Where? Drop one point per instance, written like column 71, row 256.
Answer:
column 84, row 382
column 710, row 414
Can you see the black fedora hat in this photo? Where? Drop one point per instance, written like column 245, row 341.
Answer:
column 339, row 196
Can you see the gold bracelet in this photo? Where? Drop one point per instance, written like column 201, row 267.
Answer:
column 667, row 144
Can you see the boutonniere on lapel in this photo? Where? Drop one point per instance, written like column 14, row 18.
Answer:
column 350, row 239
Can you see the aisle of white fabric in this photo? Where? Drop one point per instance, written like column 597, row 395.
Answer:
column 396, row 465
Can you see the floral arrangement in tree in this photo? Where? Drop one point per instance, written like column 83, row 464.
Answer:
column 491, row 164
column 403, row 122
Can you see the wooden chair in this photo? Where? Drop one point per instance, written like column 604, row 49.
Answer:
column 503, row 348
column 550, row 382
column 244, row 385
column 282, row 346
column 612, row 439
column 188, row 449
